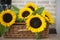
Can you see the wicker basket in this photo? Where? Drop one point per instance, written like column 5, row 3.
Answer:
column 18, row 30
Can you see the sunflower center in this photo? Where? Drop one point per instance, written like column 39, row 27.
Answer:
column 25, row 13
column 7, row 17
column 35, row 22
column 32, row 8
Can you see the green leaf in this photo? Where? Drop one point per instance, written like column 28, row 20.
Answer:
column 17, row 9
column 20, row 20
column 3, row 29
column 6, row 29
column 39, row 11
column 37, row 34
column 13, row 9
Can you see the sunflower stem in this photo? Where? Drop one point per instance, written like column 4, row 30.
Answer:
column 37, row 36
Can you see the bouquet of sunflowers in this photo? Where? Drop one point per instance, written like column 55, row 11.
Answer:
column 36, row 19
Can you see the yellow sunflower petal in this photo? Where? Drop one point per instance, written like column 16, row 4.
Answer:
column 24, row 13
column 8, row 18
column 38, row 29
column 43, row 13
column 32, row 6
column 49, row 17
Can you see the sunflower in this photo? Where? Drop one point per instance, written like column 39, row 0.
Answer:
column 25, row 13
column 43, row 13
column 49, row 17
column 32, row 6
column 7, row 18
column 36, row 23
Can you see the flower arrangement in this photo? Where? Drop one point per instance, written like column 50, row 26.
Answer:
column 36, row 19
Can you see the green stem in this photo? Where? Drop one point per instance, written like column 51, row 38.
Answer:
column 37, row 36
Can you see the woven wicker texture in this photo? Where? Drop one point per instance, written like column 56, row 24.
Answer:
column 18, row 30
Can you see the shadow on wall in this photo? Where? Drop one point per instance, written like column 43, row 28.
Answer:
column 52, row 31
